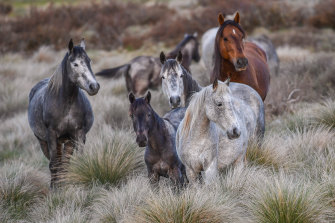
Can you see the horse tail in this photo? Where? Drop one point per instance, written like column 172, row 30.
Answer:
column 115, row 72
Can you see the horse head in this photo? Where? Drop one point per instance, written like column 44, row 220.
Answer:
column 78, row 66
column 219, row 108
column 172, row 79
column 142, row 116
column 230, row 42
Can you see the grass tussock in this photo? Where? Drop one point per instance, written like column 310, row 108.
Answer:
column 21, row 188
column 69, row 204
column 286, row 200
column 118, row 203
column 108, row 161
column 191, row 205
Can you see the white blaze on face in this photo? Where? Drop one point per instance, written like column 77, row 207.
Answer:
column 234, row 31
column 84, row 75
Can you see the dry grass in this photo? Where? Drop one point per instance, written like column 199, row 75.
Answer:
column 107, row 161
column 289, row 174
column 289, row 200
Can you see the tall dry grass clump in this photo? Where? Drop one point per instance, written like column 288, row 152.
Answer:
column 67, row 204
column 109, row 160
column 191, row 205
column 289, row 200
column 118, row 203
column 21, row 188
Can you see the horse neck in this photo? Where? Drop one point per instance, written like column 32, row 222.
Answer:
column 190, row 85
column 68, row 89
column 227, row 68
column 156, row 136
column 202, row 126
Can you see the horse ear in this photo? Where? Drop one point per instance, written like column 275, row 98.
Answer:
column 82, row 43
column 162, row 57
column 148, row 97
column 237, row 18
column 131, row 97
column 195, row 35
column 70, row 46
column 215, row 84
column 227, row 81
column 221, row 19
column 179, row 57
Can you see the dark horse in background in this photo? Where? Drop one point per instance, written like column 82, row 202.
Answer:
column 142, row 72
column 158, row 135
column 59, row 112
column 243, row 62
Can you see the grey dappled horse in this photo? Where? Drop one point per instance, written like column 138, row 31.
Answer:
column 142, row 72
column 218, row 123
column 59, row 112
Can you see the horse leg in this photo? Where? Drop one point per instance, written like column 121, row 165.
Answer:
column 192, row 176
column 80, row 139
column 176, row 176
column 211, row 172
column 68, row 151
column 55, row 153
column 44, row 147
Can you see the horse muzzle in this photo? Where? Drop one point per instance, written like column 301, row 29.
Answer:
column 234, row 134
column 241, row 64
column 93, row 88
column 175, row 101
column 141, row 140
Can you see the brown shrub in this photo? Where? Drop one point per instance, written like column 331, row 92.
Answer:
column 5, row 9
column 324, row 15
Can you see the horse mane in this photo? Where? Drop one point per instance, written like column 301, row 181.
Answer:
column 173, row 54
column 56, row 79
column 193, row 110
column 190, row 85
column 217, row 55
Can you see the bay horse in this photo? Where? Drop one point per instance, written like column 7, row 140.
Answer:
column 59, row 112
column 243, row 62
column 218, row 123
column 142, row 72
column 158, row 136
column 177, row 82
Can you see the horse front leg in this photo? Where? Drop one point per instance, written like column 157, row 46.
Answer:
column 211, row 172
column 176, row 176
column 79, row 140
column 55, row 154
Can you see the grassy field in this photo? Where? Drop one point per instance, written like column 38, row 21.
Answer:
column 288, row 177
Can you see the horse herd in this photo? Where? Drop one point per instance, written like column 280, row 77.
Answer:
column 207, row 129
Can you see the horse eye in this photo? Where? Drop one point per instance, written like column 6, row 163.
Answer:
column 163, row 77
column 76, row 65
column 219, row 104
column 225, row 39
column 149, row 115
column 181, row 75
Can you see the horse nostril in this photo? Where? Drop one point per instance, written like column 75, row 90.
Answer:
column 245, row 61
column 98, row 85
column 170, row 100
column 178, row 99
column 236, row 132
column 91, row 87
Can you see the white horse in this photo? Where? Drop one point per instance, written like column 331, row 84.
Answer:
column 262, row 41
column 218, row 123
